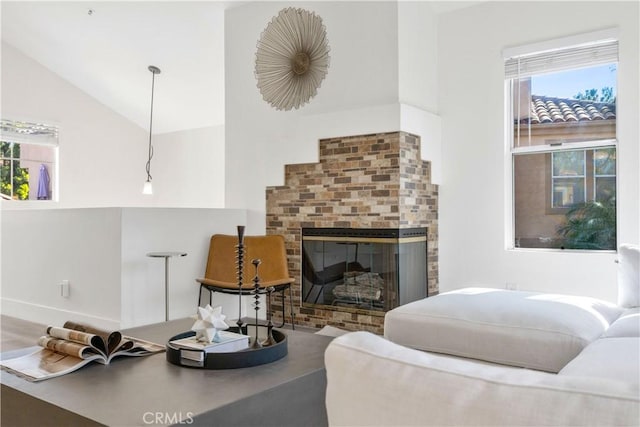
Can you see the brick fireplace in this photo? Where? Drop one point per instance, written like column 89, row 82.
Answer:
column 373, row 181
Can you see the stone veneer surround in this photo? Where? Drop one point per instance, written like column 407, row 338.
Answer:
column 366, row 181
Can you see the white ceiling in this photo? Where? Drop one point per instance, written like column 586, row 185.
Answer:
column 447, row 6
column 106, row 53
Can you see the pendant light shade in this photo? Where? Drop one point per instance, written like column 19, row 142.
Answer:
column 148, row 188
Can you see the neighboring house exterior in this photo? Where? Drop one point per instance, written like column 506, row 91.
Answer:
column 544, row 194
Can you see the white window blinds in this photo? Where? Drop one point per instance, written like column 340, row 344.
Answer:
column 32, row 133
column 569, row 53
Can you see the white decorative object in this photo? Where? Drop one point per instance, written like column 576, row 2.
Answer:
column 292, row 58
column 210, row 321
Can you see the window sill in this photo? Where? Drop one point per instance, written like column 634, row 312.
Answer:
column 554, row 250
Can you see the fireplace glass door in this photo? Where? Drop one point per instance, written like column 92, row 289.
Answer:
column 368, row 269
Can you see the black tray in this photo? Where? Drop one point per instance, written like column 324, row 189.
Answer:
column 238, row 359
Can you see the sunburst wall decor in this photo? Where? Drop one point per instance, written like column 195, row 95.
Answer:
column 292, row 58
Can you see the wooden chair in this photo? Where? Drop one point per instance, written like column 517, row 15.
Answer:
column 221, row 274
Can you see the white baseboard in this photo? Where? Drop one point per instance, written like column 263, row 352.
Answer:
column 53, row 316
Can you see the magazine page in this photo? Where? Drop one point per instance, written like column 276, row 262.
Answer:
column 137, row 347
column 78, row 337
column 44, row 364
column 116, row 342
column 68, row 347
column 124, row 345
column 111, row 339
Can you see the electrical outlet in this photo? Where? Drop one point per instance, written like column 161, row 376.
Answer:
column 65, row 289
column 511, row 286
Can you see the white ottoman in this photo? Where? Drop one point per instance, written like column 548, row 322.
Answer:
column 525, row 329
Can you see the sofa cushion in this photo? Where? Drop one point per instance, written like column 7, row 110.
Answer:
column 526, row 329
column 629, row 276
column 627, row 325
column 371, row 381
column 610, row 358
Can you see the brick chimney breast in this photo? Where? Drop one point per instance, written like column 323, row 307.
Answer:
column 364, row 181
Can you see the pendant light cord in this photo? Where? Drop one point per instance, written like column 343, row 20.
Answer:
column 148, row 167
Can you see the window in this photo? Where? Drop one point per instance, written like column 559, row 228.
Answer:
column 568, row 178
column 28, row 161
column 604, row 175
column 562, row 110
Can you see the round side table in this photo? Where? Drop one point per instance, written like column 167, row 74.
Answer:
column 166, row 256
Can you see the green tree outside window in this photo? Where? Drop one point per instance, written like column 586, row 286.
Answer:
column 18, row 186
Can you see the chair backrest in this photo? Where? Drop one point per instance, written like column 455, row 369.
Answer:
column 270, row 250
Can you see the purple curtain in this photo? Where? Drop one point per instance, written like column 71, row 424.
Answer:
column 43, row 184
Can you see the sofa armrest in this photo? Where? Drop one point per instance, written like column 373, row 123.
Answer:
column 372, row 381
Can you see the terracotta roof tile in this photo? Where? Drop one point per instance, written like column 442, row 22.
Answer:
column 546, row 109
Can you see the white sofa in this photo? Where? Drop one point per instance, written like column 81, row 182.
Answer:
column 492, row 357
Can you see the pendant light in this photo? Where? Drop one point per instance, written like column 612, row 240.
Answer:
column 148, row 189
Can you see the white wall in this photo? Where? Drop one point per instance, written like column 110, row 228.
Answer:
column 473, row 195
column 418, row 79
column 42, row 247
column 417, row 55
column 102, row 252
column 188, row 168
column 429, row 127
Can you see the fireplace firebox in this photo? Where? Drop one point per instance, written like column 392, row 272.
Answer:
column 367, row 269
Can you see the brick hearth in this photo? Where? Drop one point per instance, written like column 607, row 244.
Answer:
column 366, row 181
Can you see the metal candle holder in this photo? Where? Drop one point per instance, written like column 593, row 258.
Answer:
column 240, row 265
column 270, row 340
column 256, row 304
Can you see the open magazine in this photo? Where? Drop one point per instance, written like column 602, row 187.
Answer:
column 68, row 348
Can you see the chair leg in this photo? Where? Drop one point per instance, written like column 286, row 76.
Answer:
column 293, row 323
column 283, row 318
column 200, row 295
